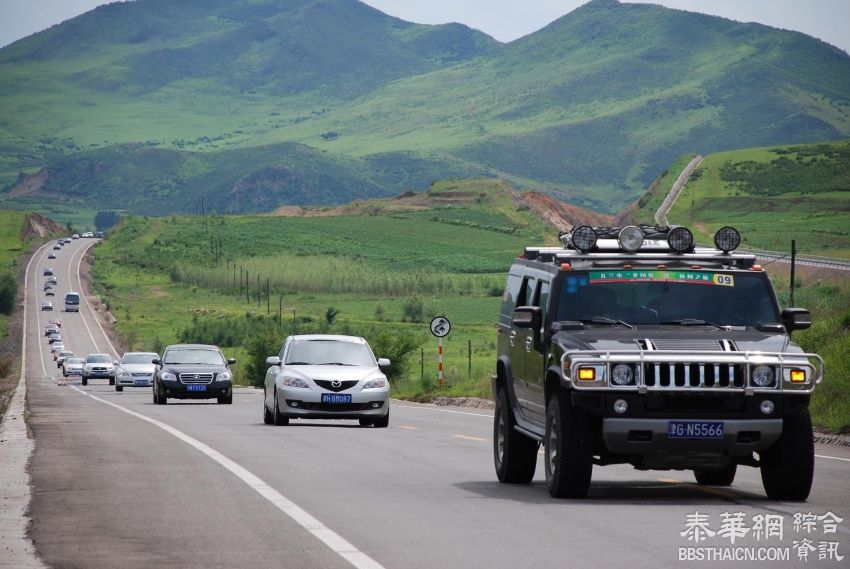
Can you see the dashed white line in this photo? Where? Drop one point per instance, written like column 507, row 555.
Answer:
column 832, row 457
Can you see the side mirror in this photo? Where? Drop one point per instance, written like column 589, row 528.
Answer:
column 115, row 362
column 273, row 360
column 156, row 361
column 527, row 317
column 796, row 319
column 383, row 362
column 231, row 361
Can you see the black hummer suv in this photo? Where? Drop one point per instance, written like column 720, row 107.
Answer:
column 192, row 371
column 633, row 346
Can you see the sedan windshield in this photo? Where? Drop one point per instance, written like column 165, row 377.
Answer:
column 193, row 356
column 138, row 358
column 669, row 297
column 329, row 352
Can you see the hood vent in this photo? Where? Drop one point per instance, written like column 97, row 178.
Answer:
column 686, row 344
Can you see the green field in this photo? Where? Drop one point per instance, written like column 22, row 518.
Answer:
column 164, row 276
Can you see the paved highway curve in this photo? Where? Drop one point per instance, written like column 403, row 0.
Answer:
column 119, row 482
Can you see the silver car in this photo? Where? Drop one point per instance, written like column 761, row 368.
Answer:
column 326, row 377
column 73, row 366
column 135, row 370
column 99, row 366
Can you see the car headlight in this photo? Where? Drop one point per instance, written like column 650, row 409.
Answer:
column 224, row 376
column 294, row 382
column 762, row 376
column 123, row 373
column 168, row 376
column 377, row 383
column 622, row 374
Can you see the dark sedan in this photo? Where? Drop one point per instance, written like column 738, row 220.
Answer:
column 192, row 371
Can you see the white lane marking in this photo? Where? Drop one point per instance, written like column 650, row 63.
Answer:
column 91, row 311
column 37, row 314
column 468, row 438
column 435, row 408
column 333, row 540
column 832, row 457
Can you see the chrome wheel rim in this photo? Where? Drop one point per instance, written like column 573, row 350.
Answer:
column 500, row 438
column 552, row 446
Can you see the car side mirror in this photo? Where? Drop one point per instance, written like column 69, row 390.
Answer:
column 527, row 317
column 156, row 361
column 231, row 361
column 796, row 319
column 384, row 362
column 273, row 361
column 115, row 362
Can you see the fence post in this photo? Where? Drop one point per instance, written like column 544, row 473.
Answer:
column 469, row 352
column 422, row 365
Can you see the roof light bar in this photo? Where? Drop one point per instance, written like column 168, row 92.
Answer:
column 727, row 239
column 630, row 238
column 680, row 239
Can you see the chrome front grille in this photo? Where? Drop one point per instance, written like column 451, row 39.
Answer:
column 336, row 385
column 196, row 378
column 694, row 375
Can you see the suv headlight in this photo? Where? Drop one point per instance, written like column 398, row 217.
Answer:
column 294, row 382
column 224, row 376
column 168, row 376
column 377, row 383
column 762, row 376
column 622, row 374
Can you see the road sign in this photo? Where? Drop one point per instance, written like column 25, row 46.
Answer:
column 440, row 326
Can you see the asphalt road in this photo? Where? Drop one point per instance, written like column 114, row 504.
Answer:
column 119, row 482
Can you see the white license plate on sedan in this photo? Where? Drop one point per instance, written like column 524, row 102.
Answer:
column 695, row 430
column 196, row 388
column 336, row 398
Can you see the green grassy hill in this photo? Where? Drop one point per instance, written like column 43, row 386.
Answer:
column 772, row 195
column 589, row 109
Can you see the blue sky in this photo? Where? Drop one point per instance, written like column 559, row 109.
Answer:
column 503, row 19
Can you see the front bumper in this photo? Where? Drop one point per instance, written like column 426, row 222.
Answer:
column 180, row 390
column 647, row 443
column 133, row 381
column 307, row 404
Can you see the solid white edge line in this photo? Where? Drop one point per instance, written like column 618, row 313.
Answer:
column 832, row 457
column 436, row 408
column 330, row 538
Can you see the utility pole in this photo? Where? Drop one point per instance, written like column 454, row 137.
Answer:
column 268, row 298
column 259, row 292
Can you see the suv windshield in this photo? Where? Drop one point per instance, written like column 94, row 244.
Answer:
column 138, row 358
column 193, row 356
column 675, row 297
column 99, row 359
column 329, row 352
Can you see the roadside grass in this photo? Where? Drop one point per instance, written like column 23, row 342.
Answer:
column 11, row 246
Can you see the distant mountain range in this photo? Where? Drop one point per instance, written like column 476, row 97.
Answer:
column 147, row 105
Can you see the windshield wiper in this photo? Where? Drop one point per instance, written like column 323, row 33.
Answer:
column 334, row 364
column 605, row 320
column 298, row 363
column 693, row 322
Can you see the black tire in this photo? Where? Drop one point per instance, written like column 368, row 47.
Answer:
column 119, row 388
column 111, row 381
column 278, row 418
column 158, row 398
column 268, row 418
column 226, row 399
column 568, row 449
column 366, row 422
column 788, row 466
column 84, row 380
column 716, row 477
column 382, row 422
column 514, row 455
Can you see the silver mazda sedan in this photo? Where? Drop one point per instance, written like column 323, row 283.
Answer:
column 326, row 377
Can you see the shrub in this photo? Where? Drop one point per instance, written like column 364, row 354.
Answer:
column 8, row 292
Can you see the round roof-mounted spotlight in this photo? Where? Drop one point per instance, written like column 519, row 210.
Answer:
column 584, row 238
column 630, row 238
column 727, row 239
column 680, row 239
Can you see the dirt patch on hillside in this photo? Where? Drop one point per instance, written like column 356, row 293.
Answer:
column 560, row 215
column 30, row 184
column 158, row 292
column 36, row 226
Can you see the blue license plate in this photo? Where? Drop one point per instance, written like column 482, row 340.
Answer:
column 695, row 430
column 196, row 388
column 142, row 382
column 336, row 398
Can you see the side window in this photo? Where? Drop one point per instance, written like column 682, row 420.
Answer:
column 543, row 296
column 526, row 293
column 512, row 289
